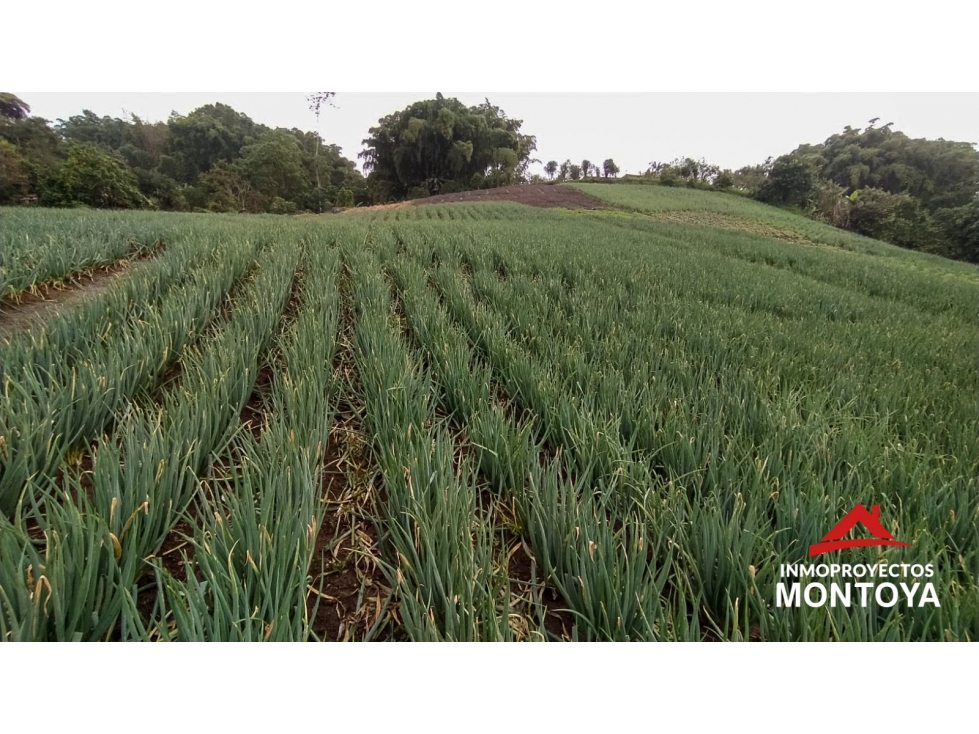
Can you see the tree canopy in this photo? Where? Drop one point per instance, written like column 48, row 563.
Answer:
column 916, row 193
column 440, row 145
column 214, row 158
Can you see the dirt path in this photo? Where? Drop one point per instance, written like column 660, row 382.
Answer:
column 44, row 304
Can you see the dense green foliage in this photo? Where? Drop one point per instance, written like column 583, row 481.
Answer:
column 915, row 193
column 440, row 146
column 214, row 159
column 660, row 411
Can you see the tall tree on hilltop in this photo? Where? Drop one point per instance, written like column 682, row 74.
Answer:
column 316, row 100
column 441, row 144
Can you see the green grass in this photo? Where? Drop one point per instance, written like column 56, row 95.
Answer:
column 660, row 200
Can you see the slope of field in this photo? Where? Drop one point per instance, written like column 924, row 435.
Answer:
column 730, row 211
column 553, row 425
column 529, row 194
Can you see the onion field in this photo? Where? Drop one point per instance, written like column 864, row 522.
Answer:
column 481, row 421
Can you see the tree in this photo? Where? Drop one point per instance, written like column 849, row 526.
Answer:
column 895, row 218
column 345, row 198
column 93, row 176
column 109, row 132
column 668, row 176
column 610, row 169
column 940, row 173
column 724, row 180
column 752, row 178
column 575, row 171
column 273, row 166
column 550, row 169
column 205, row 159
column 439, row 142
column 229, row 190
column 13, row 107
column 791, row 182
column 316, row 100
column 960, row 229
column 15, row 176
column 564, row 171
column 36, row 152
column 688, row 168
column 209, row 134
column 691, row 170
column 586, row 168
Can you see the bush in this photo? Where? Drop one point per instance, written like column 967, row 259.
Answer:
column 669, row 177
column 450, row 187
column 830, row 204
column 724, row 181
column 895, row 218
column 791, row 182
column 281, row 206
column 960, row 229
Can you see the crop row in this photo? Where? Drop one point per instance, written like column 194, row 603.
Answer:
column 100, row 527
column 53, row 401
column 36, row 247
column 706, row 431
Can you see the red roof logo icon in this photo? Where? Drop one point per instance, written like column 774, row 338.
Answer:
column 870, row 519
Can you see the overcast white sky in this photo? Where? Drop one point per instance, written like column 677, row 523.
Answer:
column 731, row 129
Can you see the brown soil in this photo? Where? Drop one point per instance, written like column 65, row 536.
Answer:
column 347, row 591
column 348, row 597
column 252, row 416
column 527, row 576
column 530, row 194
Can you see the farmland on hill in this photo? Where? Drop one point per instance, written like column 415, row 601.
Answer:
column 480, row 421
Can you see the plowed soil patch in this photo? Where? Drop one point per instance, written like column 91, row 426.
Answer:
column 728, row 221
column 529, row 194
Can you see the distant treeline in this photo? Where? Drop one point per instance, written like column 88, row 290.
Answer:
column 213, row 159
column 219, row 159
